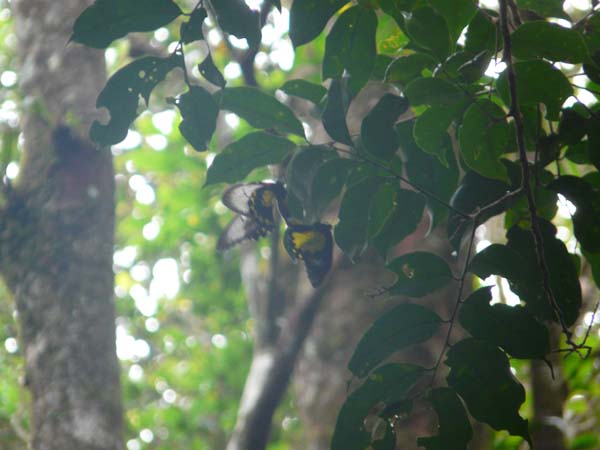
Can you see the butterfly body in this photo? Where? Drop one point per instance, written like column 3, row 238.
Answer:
column 255, row 204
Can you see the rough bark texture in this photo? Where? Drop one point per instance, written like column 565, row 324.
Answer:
column 549, row 396
column 57, row 238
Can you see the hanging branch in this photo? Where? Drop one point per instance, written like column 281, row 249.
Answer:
column 515, row 113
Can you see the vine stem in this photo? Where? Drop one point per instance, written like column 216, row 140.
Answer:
column 515, row 112
column 457, row 304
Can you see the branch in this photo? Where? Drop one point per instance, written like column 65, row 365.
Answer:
column 515, row 112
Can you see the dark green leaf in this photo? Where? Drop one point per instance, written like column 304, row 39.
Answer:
column 395, row 8
column 458, row 14
column 586, row 220
column 480, row 373
column 328, row 181
column 482, row 34
column 428, row 173
column 300, row 174
column 542, row 39
column 351, row 230
column 593, row 141
column 594, row 260
column 259, row 109
column 304, row 89
column 388, row 384
column 545, row 8
column 382, row 62
column 429, row 30
column 455, row 430
column 578, row 153
column 107, row 20
column 483, row 137
column 209, row 71
column 475, row 68
column 122, row 93
column 406, row 68
column 431, row 130
column 475, row 192
column 334, row 114
column 406, row 215
column 235, row 17
column 564, row 281
column 192, row 29
column 377, row 130
column 512, row 328
column 350, row 47
column 419, row 273
column 553, row 92
column 393, row 331
column 239, row 158
column 199, row 114
column 433, row 91
column 499, row 260
column 308, row 18
column 388, row 441
column 381, row 208
column 572, row 127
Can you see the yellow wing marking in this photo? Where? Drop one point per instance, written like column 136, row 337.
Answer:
column 268, row 197
column 308, row 241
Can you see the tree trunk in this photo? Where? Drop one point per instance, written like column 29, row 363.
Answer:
column 57, row 238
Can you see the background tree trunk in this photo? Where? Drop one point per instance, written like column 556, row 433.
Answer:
column 57, row 238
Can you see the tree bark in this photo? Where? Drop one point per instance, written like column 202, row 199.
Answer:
column 57, row 228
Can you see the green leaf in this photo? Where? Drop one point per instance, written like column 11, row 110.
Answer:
column 406, row 215
column 564, row 280
column 511, row 328
column 429, row 30
column 458, row 14
column 537, row 82
column 393, row 331
column 395, row 8
column 586, row 220
column 388, row 384
column 483, row 137
column 209, row 71
column 304, row 89
column 199, row 113
column 377, row 129
column 122, row 93
column 498, row 259
column 545, row 8
column 482, row 34
column 572, row 126
column 235, row 17
column 455, row 430
column 191, row 30
column 351, row 230
column 419, row 273
column 480, row 373
column 542, row 39
column 309, row 17
column 431, row 130
column 433, row 91
column 350, row 47
column 404, row 69
column 107, row 20
column 300, row 174
column 239, row 158
column 475, row 68
column 328, row 182
column 474, row 193
column 259, row 109
column 428, row 173
column 334, row 114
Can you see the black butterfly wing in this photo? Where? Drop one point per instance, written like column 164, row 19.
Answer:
column 314, row 245
column 241, row 228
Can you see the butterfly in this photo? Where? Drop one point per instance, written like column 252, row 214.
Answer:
column 314, row 245
column 255, row 205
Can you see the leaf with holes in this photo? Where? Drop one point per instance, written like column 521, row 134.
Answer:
column 212, row 74
column 122, row 93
